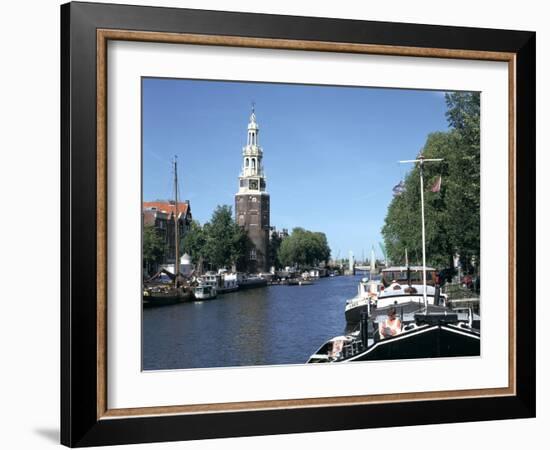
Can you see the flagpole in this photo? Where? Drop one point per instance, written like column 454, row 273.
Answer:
column 423, row 234
column 421, row 161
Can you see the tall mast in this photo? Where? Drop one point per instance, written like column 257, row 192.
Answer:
column 176, row 223
column 421, row 160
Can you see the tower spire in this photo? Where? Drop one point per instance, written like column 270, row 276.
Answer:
column 252, row 174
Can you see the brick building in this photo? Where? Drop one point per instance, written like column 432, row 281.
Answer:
column 252, row 200
column 160, row 214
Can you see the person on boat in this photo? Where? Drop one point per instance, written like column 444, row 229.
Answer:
column 391, row 326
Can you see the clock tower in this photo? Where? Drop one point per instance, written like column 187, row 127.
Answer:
column 252, row 200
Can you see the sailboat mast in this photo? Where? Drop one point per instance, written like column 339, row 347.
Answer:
column 176, row 223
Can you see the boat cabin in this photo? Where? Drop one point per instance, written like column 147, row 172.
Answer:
column 204, row 292
column 408, row 275
column 368, row 288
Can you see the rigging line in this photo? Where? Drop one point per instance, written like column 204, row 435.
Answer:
column 179, row 183
column 158, row 157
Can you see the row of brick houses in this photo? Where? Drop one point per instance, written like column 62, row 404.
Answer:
column 160, row 214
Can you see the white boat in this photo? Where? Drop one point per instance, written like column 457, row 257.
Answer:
column 205, row 292
column 223, row 281
column 228, row 282
column 367, row 294
column 404, row 285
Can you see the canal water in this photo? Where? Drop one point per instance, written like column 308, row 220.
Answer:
column 263, row 326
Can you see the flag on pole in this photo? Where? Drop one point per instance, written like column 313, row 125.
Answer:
column 437, row 185
column 398, row 189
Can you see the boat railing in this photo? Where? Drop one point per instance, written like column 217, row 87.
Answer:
column 352, row 348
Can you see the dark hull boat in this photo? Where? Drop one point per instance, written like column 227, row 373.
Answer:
column 424, row 341
column 170, row 296
column 252, row 282
column 432, row 335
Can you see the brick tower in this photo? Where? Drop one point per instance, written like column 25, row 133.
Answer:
column 252, row 200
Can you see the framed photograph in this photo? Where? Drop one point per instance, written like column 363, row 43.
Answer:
column 277, row 224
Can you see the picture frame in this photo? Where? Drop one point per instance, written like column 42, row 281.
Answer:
column 86, row 418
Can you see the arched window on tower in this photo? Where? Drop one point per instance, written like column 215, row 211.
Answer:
column 246, row 162
column 253, row 164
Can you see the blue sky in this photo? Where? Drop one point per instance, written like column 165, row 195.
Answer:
column 330, row 153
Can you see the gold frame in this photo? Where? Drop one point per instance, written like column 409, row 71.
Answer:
column 103, row 36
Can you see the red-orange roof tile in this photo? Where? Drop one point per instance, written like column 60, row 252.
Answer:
column 167, row 207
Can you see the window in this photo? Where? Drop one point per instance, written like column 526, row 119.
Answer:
column 253, row 254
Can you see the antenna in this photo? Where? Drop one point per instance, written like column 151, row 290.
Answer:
column 421, row 160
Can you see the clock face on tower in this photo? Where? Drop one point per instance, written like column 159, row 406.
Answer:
column 253, row 185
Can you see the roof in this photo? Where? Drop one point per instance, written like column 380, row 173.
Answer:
column 167, row 207
column 404, row 268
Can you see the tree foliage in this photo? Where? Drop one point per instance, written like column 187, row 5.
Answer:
column 220, row 242
column 304, row 248
column 273, row 250
column 193, row 242
column 153, row 246
column 452, row 214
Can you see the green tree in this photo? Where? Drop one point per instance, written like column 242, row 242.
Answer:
column 463, row 196
column 153, row 247
column 219, row 237
column 304, row 248
column 225, row 243
column 273, row 250
column 241, row 247
column 322, row 249
column 193, row 242
column 452, row 214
